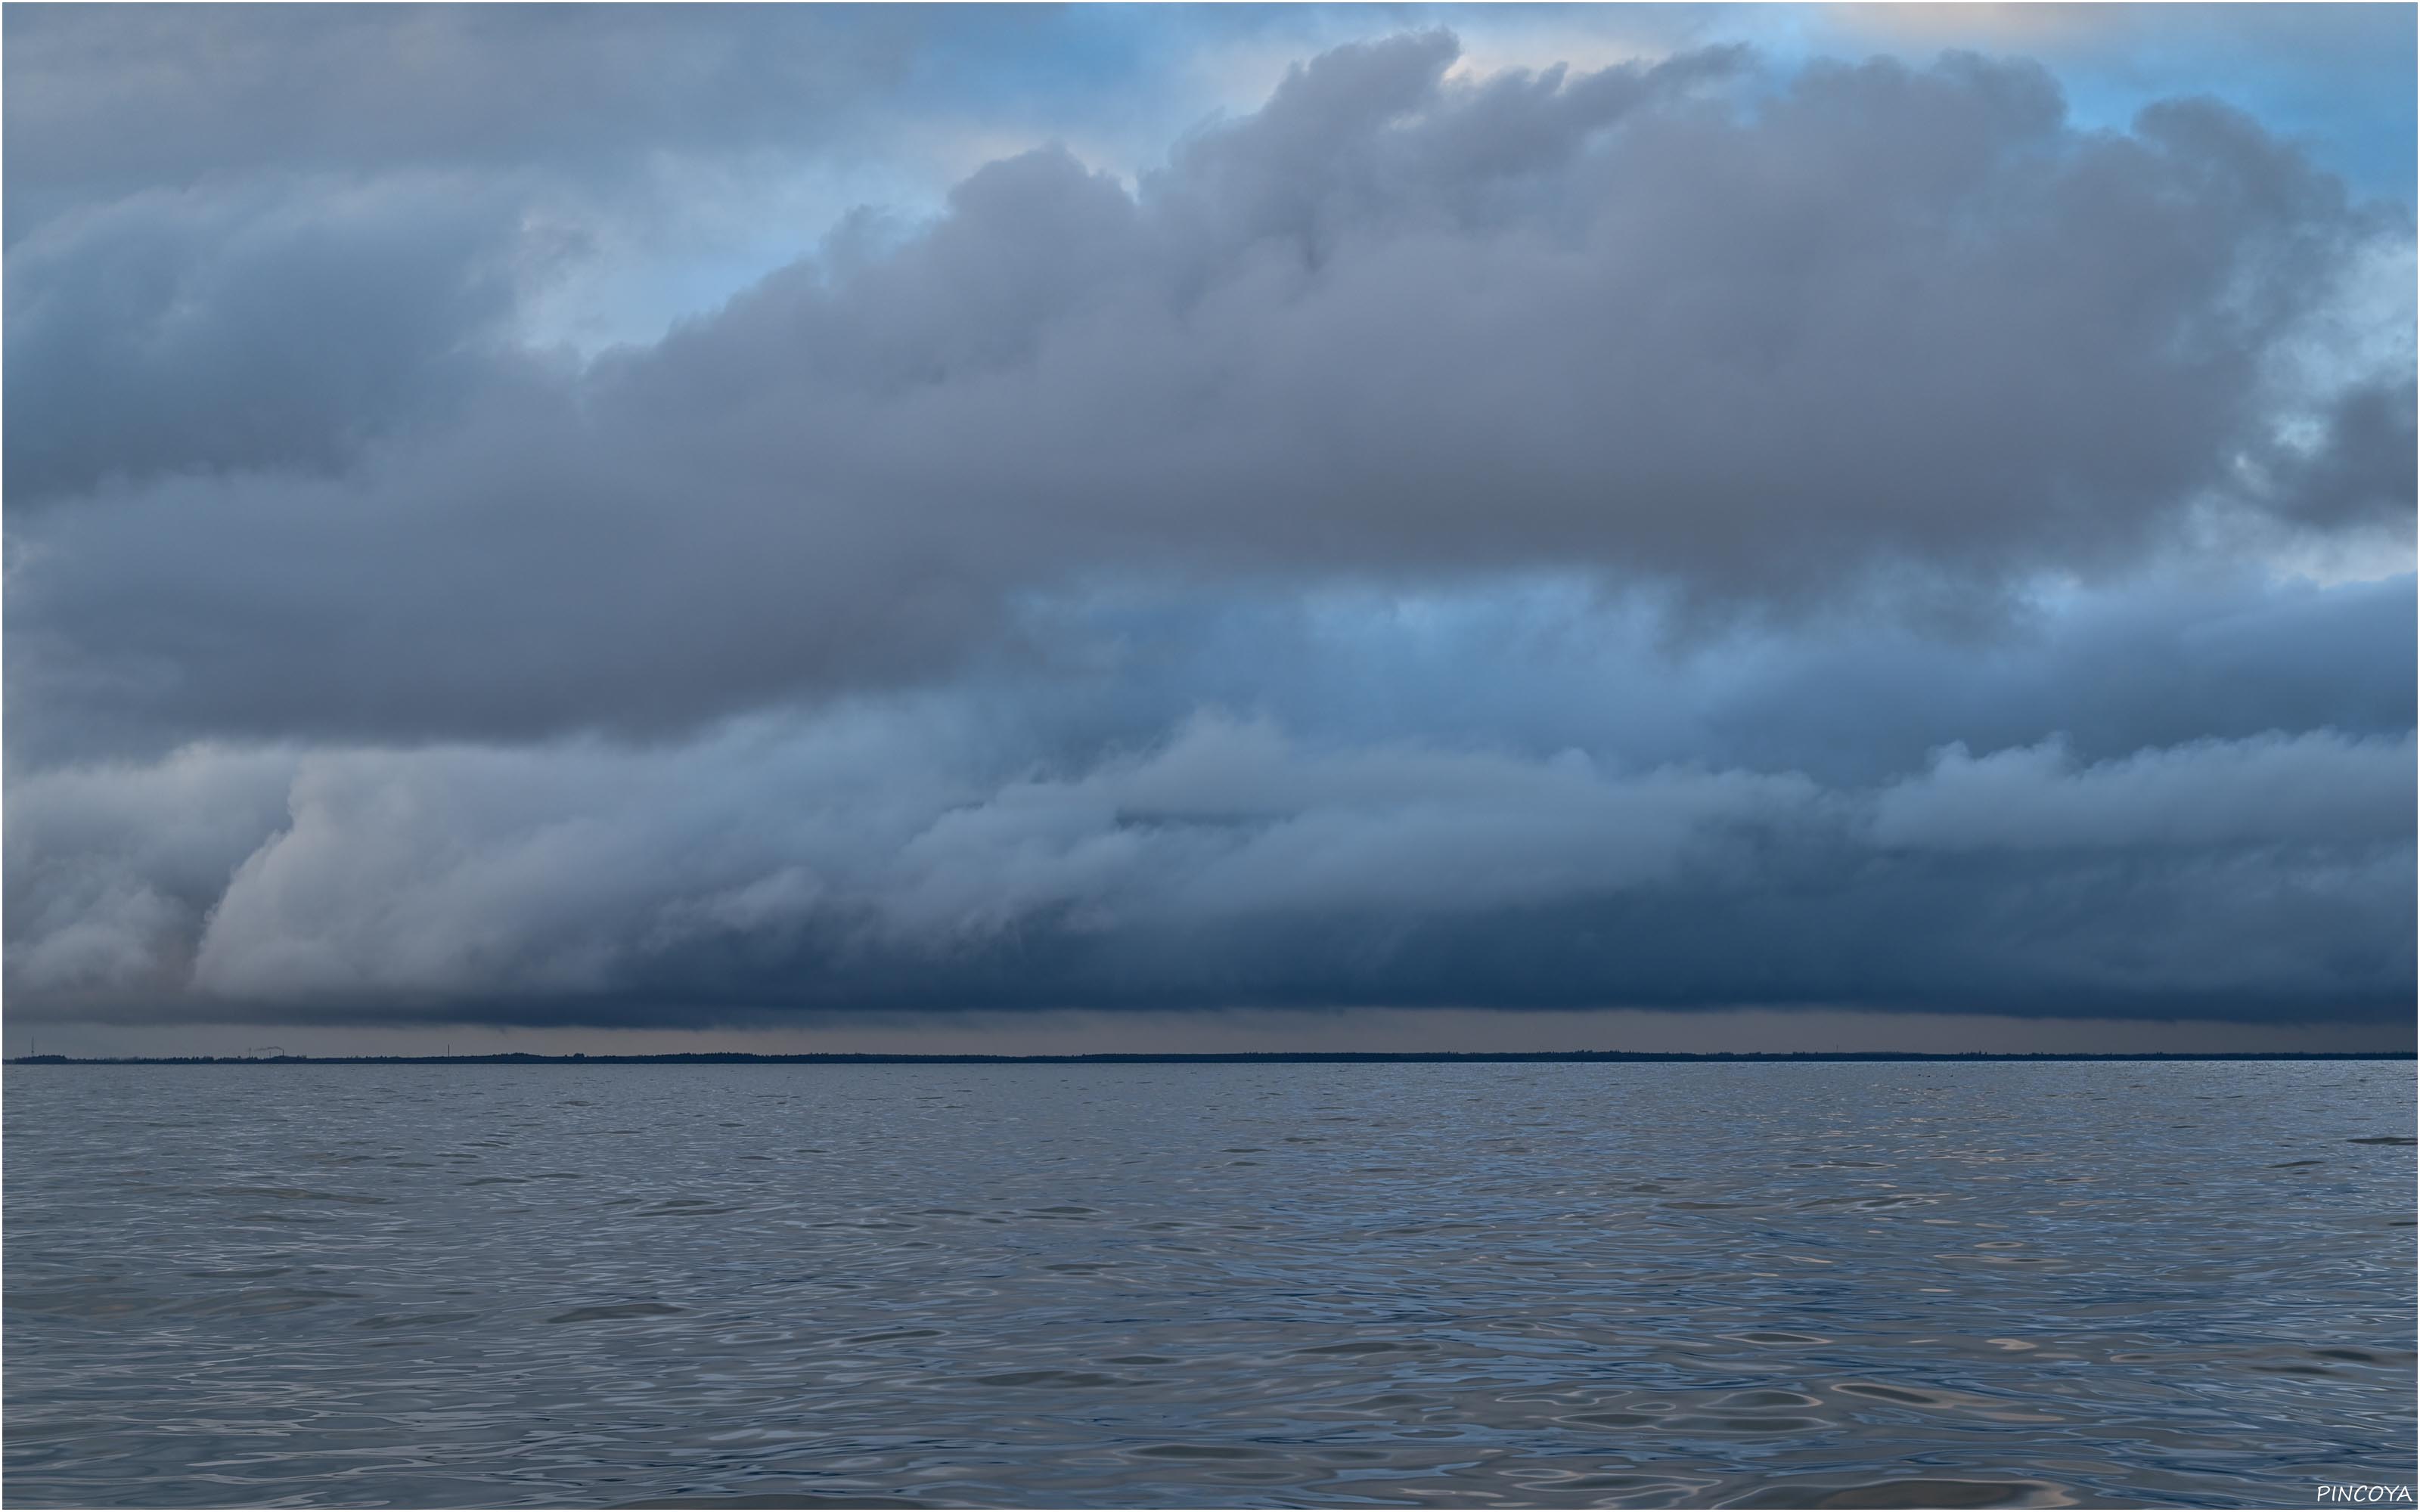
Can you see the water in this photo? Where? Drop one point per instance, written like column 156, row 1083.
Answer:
column 1384, row 1284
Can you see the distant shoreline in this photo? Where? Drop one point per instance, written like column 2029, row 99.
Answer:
column 1248, row 1058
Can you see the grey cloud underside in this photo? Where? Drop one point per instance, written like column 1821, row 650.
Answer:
column 1475, row 800
column 862, row 863
column 1890, row 334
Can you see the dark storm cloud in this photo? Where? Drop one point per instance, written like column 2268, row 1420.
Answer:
column 1504, row 799
column 1877, row 332
column 867, row 863
column 1676, row 536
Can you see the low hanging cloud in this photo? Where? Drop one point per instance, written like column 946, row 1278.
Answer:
column 1864, row 334
column 872, row 860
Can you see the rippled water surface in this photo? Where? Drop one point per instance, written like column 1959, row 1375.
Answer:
column 1425, row 1283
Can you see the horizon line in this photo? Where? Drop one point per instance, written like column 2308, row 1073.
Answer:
column 1213, row 1057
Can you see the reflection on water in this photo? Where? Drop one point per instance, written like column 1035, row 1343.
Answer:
column 1911, row 1285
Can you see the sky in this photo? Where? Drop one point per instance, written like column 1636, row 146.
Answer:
column 1221, row 528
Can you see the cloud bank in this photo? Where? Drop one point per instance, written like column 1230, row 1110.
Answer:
column 866, row 862
column 1698, row 532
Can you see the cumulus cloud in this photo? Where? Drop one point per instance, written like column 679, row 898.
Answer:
column 1897, row 333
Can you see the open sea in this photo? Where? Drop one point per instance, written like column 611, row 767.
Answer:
column 1390, row 1284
